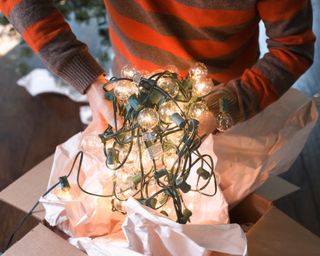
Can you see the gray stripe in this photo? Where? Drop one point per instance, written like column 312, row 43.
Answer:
column 61, row 48
column 248, row 101
column 300, row 23
column 163, row 58
column 304, row 50
column 221, row 4
column 28, row 12
column 278, row 75
column 174, row 26
column 150, row 53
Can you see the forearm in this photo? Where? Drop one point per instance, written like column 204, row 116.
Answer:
column 46, row 32
column 291, row 44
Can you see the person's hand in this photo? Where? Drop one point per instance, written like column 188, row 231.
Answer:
column 207, row 124
column 102, row 109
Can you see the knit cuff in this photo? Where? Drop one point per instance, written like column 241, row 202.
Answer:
column 231, row 100
column 81, row 70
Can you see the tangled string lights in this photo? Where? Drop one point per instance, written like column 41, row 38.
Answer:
column 155, row 154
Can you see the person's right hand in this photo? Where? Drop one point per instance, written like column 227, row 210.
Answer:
column 102, row 109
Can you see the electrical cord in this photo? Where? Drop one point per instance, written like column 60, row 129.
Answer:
column 25, row 218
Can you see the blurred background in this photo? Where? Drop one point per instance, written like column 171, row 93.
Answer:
column 34, row 122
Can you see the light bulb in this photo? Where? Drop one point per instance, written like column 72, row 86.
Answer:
column 124, row 89
column 148, row 118
column 224, row 121
column 66, row 194
column 202, row 87
column 169, row 86
column 170, row 159
column 91, row 143
column 197, row 109
column 198, row 71
column 166, row 110
column 118, row 205
column 175, row 138
column 128, row 71
column 184, row 106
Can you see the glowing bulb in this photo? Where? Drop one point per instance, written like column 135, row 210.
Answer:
column 148, row 118
column 169, row 86
column 184, row 106
column 197, row 109
column 175, row 138
column 91, row 143
column 198, row 71
column 124, row 89
column 202, row 87
column 166, row 110
column 118, row 205
column 66, row 194
column 128, row 71
column 170, row 159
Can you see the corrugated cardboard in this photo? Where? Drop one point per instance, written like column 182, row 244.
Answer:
column 270, row 232
column 18, row 198
column 277, row 234
column 42, row 241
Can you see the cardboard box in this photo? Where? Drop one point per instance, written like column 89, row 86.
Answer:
column 42, row 241
column 269, row 231
column 18, row 198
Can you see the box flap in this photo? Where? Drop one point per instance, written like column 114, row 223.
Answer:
column 42, row 241
column 25, row 191
column 275, row 234
column 276, row 187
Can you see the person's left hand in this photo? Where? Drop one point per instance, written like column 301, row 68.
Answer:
column 207, row 124
column 102, row 109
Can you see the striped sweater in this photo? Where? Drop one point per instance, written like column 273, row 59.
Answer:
column 151, row 34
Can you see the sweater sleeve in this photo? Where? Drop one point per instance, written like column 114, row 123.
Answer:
column 291, row 48
column 49, row 35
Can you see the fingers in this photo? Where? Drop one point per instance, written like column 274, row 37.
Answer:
column 207, row 124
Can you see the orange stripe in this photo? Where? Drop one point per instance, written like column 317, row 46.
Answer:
column 6, row 6
column 271, row 11
column 140, row 64
column 265, row 92
column 43, row 31
column 200, row 48
column 206, row 17
column 293, row 63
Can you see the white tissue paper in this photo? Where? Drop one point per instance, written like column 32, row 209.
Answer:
column 40, row 80
column 246, row 155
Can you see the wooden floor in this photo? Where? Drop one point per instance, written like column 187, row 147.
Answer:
column 31, row 127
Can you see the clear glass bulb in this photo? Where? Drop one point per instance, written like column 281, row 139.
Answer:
column 126, row 181
column 202, row 87
column 198, row 71
column 197, row 109
column 224, row 121
column 91, row 144
column 169, row 86
column 128, row 71
column 148, row 118
column 175, row 138
column 170, row 159
column 124, row 89
column 67, row 194
column 166, row 109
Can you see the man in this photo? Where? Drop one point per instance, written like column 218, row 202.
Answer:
column 151, row 34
